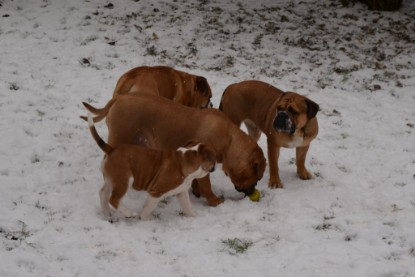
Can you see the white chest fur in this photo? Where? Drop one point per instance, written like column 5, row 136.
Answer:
column 296, row 142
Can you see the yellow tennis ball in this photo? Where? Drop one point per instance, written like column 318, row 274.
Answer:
column 255, row 196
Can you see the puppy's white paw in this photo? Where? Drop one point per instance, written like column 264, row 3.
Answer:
column 190, row 214
column 113, row 218
column 133, row 215
column 126, row 212
column 145, row 217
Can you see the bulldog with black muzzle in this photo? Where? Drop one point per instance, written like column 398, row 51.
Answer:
column 287, row 119
column 283, row 123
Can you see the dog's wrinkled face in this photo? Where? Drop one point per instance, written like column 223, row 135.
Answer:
column 293, row 112
column 284, row 123
column 250, row 172
column 201, row 93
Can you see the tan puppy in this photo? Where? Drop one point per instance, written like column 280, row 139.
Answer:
column 160, row 173
column 287, row 119
column 183, row 88
column 168, row 125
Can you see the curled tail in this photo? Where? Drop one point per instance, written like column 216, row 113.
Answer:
column 100, row 114
column 101, row 143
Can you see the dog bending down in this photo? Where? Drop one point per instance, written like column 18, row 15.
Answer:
column 167, row 125
column 160, row 173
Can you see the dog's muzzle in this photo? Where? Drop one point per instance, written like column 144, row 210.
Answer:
column 283, row 123
column 247, row 191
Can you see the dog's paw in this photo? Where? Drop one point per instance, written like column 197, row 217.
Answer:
column 275, row 184
column 126, row 212
column 110, row 216
column 132, row 215
column 113, row 219
column 145, row 217
column 214, row 201
column 190, row 214
column 304, row 174
column 187, row 214
column 196, row 191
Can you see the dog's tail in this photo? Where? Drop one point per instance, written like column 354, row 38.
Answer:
column 100, row 114
column 101, row 143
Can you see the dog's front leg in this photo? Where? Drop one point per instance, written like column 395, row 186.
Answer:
column 273, row 156
column 301, row 153
column 204, row 188
column 185, row 204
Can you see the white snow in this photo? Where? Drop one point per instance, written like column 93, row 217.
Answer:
column 354, row 218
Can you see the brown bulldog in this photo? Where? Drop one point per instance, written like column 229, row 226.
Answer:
column 168, row 125
column 287, row 119
column 161, row 173
column 186, row 89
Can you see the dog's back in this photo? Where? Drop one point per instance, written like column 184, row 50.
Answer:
column 179, row 86
column 168, row 125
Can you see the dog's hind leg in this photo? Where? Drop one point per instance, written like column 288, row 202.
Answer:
column 104, row 195
column 185, row 204
column 149, row 206
column 253, row 130
column 118, row 193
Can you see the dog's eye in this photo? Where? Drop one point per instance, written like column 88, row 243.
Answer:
column 293, row 112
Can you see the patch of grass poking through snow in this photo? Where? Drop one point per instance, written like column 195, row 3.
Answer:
column 152, row 51
column 14, row 87
column 35, row 159
column 236, row 246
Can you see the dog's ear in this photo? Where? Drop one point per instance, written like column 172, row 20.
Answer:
column 260, row 165
column 208, row 154
column 209, row 151
column 203, row 87
column 312, row 108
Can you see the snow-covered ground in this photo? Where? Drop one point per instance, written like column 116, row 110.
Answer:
column 355, row 218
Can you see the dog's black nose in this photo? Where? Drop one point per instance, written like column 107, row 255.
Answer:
column 250, row 190
column 280, row 121
column 247, row 191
